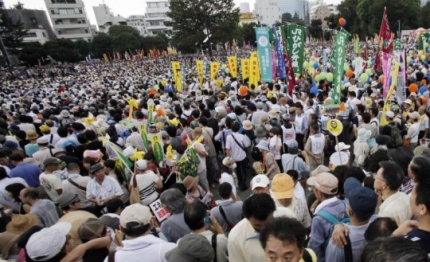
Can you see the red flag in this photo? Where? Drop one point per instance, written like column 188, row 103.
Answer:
column 291, row 76
column 365, row 58
column 385, row 41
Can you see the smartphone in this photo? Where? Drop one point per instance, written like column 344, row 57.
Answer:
column 207, row 220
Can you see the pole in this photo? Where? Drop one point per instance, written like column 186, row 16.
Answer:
column 400, row 32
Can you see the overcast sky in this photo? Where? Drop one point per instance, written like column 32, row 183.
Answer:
column 124, row 8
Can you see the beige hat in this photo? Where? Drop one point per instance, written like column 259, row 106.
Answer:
column 247, row 125
column 137, row 213
column 325, row 182
column 320, row 169
column 414, row 115
column 407, row 101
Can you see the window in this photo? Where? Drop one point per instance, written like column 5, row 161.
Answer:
column 31, row 34
column 53, row 11
column 86, row 31
column 43, row 33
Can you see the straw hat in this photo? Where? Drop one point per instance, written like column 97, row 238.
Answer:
column 32, row 135
column 247, row 125
column 21, row 223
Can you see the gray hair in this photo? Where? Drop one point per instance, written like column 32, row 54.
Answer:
column 174, row 200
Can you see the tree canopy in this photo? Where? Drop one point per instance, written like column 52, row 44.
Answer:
column 12, row 33
column 289, row 18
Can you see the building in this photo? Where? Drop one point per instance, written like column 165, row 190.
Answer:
column 156, row 16
column 105, row 18
column 247, row 18
column 1, row 4
column 333, row 9
column 268, row 12
column 69, row 19
column 321, row 11
column 35, row 22
column 299, row 7
column 244, row 7
column 138, row 23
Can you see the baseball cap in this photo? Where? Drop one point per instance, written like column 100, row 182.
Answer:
column 389, row 114
column 324, row 182
column 292, row 144
column 362, row 200
column 414, row 115
column 260, row 181
column 51, row 161
column 48, row 242
column 92, row 228
column 137, row 213
column 141, row 164
column 42, row 140
column 283, row 186
column 192, row 247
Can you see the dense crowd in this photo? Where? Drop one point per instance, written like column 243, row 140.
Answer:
column 243, row 174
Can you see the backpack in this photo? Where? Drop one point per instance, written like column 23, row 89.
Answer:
column 396, row 136
column 331, row 218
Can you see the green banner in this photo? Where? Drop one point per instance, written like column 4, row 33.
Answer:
column 338, row 62
column 296, row 46
column 398, row 44
column 264, row 53
column 424, row 38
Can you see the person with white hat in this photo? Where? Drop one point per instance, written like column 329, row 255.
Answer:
column 147, row 182
column 407, row 105
column 361, row 147
column 269, row 163
column 43, row 152
column 392, row 129
column 341, row 156
column 411, row 137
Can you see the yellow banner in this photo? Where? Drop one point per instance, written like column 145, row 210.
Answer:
column 253, row 73
column 157, row 147
column 215, row 66
column 105, row 57
column 387, row 104
column 232, row 62
column 199, row 64
column 244, row 64
column 255, row 55
column 176, row 68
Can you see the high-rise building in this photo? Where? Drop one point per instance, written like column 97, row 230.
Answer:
column 105, row 18
column 138, row 22
column 69, row 19
column 321, row 11
column 268, row 11
column 294, row 7
column 244, row 8
column 156, row 16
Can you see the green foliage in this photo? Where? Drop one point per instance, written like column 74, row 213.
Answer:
column 101, row 44
column 62, row 50
column 315, row 28
column 247, row 34
column 124, row 38
column 191, row 17
column 12, row 33
column 332, row 21
column 31, row 52
column 288, row 18
column 425, row 11
column 83, row 48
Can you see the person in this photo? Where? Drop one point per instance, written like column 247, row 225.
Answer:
column 325, row 187
column 413, row 130
column 29, row 172
column 227, row 212
column 301, row 124
column 136, row 222
column 395, row 204
column 44, row 152
column 299, row 191
column 195, row 192
column 52, row 138
column 13, row 191
column 69, row 202
column 5, row 181
column 173, row 201
column 380, row 227
column 202, row 154
column 283, row 191
column 388, row 128
column 102, row 189
column 315, row 147
column 269, row 164
column 341, row 157
column 31, row 147
column 135, row 139
column 243, row 244
column 236, row 145
column 50, row 182
column 260, row 184
column 90, row 229
column 192, row 247
column 393, row 249
column 76, row 184
column 291, row 160
column 283, row 239
column 275, row 143
column 195, row 215
column 43, row 208
column 360, row 207
column 147, row 182
column 361, row 146
column 228, row 175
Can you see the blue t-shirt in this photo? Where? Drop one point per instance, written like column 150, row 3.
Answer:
column 29, row 172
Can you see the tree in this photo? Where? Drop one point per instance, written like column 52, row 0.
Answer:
column 425, row 11
column 31, row 52
column 288, row 18
column 247, row 34
column 315, row 29
column 19, row 6
column 101, row 44
column 83, row 48
column 332, row 21
column 192, row 20
column 62, row 50
column 12, row 34
column 124, row 38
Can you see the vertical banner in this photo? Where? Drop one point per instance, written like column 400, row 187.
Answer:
column 291, row 76
column 296, row 46
column 150, row 113
column 279, row 51
column 144, row 134
column 177, row 76
column 386, row 68
column 157, row 147
column 215, row 66
column 255, row 55
column 325, row 57
column 399, row 57
column 199, row 64
column 424, row 38
column 359, row 67
column 253, row 72
column 263, row 43
column 232, row 62
column 273, row 64
column 338, row 61
column 244, row 65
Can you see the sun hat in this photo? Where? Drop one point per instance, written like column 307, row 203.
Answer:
column 190, row 182
column 260, row 132
column 229, row 162
column 389, row 114
column 141, row 164
column 32, row 135
column 91, row 229
column 21, row 223
column 7, row 242
column 42, row 140
column 324, row 182
column 283, row 186
column 192, row 247
column 247, row 125
column 44, row 128
column 407, row 101
column 414, row 115
column 320, row 169
column 341, row 146
column 272, row 114
column 136, row 213
column 264, row 145
column 260, row 181
column 66, row 199
column 51, row 161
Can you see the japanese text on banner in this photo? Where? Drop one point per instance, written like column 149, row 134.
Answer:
column 263, row 43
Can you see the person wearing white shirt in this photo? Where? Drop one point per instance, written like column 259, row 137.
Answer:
column 413, row 130
column 5, row 200
column 424, row 122
column 102, row 189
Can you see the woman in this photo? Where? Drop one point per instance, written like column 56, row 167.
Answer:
column 228, row 175
column 275, row 145
column 113, row 172
column 361, row 147
column 413, row 131
column 269, row 165
column 196, row 192
column 148, row 183
column 12, row 191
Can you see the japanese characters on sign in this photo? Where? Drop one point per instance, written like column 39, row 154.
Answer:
column 265, row 57
column 338, row 61
column 159, row 212
column 296, row 47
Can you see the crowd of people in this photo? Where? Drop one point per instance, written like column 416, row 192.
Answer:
column 243, row 176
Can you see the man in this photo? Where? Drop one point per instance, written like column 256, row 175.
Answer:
column 102, row 189
column 315, row 147
column 228, row 212
column 388, row 129
column 136, row 222
column 194, row 216
column 135, row 139
column 76, row 184
column 51, row 137
column 44, row 152
column 260, row 184
column 291, row 160
column 360, row 207
column 395, row 204
column 413, row 130
column 29, row 172
column 374, row 119
column 43, row 208
column 236, row 145
column 283, row 191
column 192, row 247
column 325, row 188
column 301, row 125
column 243, row 244
column 258, row 114
column 69, row 202
column 5, row 200
column 50, row 182
column 424, row 122
column 283, row 239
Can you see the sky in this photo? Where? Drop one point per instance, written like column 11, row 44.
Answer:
column 124, row 8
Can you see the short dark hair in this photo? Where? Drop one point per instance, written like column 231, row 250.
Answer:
column 259, row 206
column 293, row 174
column 194, row 215
column 3, row 173
column 420, row 167
column 32, row 193
column 374, row 111
column 224, row 190
column 115, row 204
column 366, row 117
column 63, row 131
column 380, row 227
column 284, row 229
column 235, row 127
column 134, row 229
column 392, row 174
column 203, row 121
column 355, row 172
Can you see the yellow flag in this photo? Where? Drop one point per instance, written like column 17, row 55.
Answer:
column 214, row 69
column 176, row 68
column 199, row 64
column 232, row 62
column 105, row 57
column 244, row 64
column 253, row 73
column 394, row 75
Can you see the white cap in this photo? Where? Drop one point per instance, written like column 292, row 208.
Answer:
column 389, row 114
column 141, row 164
column 43, row 140
column 341, row 146
column 48, row 242
column 260, row 181
column 135, row 213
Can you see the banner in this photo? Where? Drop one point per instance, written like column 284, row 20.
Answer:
column 157, row 147
column 399, row 57
column 232, row 62
column 424, row 38
column 199, row 64
column 150, row 113
column 253, row 72
column 255, row 55
column 273, row 64
column 244, row 65
column 357, row 45
column 325, row 57
column 215, row 66
column 386, row 40
column 386, row 68
column 338, row 62
column 296, row 46
column 359, row 67
column 291, row 76
column 105, row 57
column 387, row 103
column 279, row 51
column 177, row 76
column 144, row 134
column 265, row 58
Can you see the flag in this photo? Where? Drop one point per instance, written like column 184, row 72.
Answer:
column 277, row 34
column 386, row 108
column 291, row 76
column 424, row 39
column 385, row 40
column 215, row 66
column 232, row 62
column 110, row 57
column 325, row 57
column 399, row 55
column 357, row 45
column 144, row 134
column 234, row 46
column 176, row 68
column 253, row 72
column 386, row 67
column 338, row 61
column 157, row 147
column 244, row 65
column 199, row 64
column 296, row 46
column 273, row 64
column 105, row 58
column 127, row 163
column 265, row 58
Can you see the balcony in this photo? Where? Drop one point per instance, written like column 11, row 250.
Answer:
column 70, row 26
column 65, row 16
column 54, row 6
column 75, row 36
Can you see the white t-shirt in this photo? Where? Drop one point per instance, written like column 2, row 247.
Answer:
column 424, row 123
column 413, row 132
column 51, row 183
column 146, row 184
